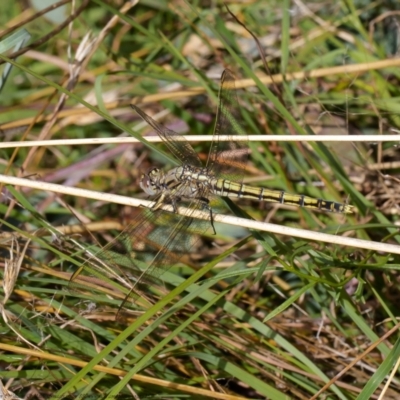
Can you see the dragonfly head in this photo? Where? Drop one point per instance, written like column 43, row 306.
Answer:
column 150, row 182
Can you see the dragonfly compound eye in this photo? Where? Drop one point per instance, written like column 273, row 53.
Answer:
column 148, row 184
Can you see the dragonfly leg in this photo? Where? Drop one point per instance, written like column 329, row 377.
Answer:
column 206, row 205
column 158, row 202
column 165, row 199
column 174, row 203
column 212, row 219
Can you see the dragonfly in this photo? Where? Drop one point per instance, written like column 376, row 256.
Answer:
column 192, row 184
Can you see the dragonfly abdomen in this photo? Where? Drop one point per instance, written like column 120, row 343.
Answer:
column 224, row 187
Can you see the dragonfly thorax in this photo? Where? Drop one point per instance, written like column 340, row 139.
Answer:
column 186, row 181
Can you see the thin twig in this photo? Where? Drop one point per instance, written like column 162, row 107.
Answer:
column 226, row 219
column 208, row 138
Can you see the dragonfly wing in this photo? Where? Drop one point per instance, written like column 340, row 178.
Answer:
column 176, row 143
column 129, row 260
column 115, row 267
column 228, row 159
column 172, row 238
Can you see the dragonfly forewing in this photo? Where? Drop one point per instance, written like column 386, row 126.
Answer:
column 228, row 159
column 176, row 143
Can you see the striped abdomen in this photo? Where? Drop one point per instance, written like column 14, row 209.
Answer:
column 223, row 187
